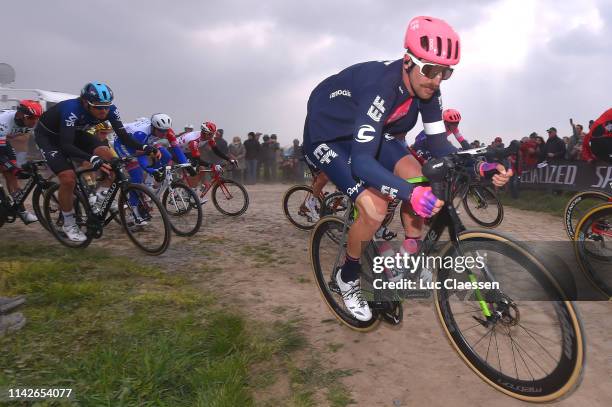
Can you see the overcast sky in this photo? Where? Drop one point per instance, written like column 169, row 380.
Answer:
column 250, row 65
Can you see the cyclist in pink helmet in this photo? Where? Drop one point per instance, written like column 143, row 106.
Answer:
column 451, row 119
column 348, row 135
column 434, row 40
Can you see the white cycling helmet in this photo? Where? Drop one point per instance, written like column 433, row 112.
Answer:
column 161, row 121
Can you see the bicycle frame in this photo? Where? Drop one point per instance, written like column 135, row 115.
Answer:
column 217, row 179
column 97, row 219
column 446, row 218
column 35, row 180
column 168, row 178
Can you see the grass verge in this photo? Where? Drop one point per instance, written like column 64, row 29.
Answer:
column 123, row 334
column 539, row 201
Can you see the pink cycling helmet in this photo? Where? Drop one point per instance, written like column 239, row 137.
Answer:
column 434, row 40
column 451, row 116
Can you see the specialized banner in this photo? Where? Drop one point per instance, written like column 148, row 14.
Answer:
column 569, row 175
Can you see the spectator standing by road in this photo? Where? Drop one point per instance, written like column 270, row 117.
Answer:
column 298, row 159
column 497, row 143
column 275, row 147
column 554, row 149
column 266, row 157
column 237, row 152
column 528, row 152
column 252, row 151
column 540, row 144
column 221, row 145
column 574, row 148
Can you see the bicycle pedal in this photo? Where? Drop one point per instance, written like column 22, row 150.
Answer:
column 333, row 287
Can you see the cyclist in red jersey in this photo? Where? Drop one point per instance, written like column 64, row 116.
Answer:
column 190, row 142
column 598, row 142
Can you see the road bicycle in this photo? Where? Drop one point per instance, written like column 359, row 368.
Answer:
column 579, row 205
column 480, row 203
column 533, row 350
column 229, row 197
column 593, row 247
column 140, row 212
column 179, row 200
column 36, row 184
column 295, row 209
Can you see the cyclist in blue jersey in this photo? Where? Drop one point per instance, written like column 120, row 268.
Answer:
column 61, row 135
column 347, row 135
column 151, row 131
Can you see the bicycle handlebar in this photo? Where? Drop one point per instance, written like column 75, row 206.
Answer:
column 437, row 170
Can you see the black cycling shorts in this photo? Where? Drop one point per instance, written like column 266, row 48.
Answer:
column 52, row 153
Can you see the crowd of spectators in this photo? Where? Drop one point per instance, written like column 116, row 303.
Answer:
column 535, row 151
column 260, row 158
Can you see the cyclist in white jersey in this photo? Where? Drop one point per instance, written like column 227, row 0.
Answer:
column 13, row 122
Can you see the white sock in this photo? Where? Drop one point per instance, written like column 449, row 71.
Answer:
column 68, row 218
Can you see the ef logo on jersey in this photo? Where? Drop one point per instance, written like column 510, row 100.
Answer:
column 324, row 154
column 377, row 109
column 391, row 192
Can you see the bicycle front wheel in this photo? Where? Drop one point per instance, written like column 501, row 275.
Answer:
column 533, row 350
column 579, row 205
column 483, row 206
column 593, row 247
column 144, row 219
column 230, row 197
column 55, row 220
column 183, row 207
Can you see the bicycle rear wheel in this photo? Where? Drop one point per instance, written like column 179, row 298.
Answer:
column 326, row 254
column 533, row 350
column 37, row 205
column 55, row 220
column 295, row 209
column 483, row 206
column 144, row 219
column 336, row 204
column 230, row 197
column 184, row 209
column 593, row 247
column 579, row 205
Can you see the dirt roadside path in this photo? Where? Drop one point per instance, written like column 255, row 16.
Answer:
column 260, row 261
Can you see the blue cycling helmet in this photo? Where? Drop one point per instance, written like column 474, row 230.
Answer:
column 97, row 93
column 140, row 136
